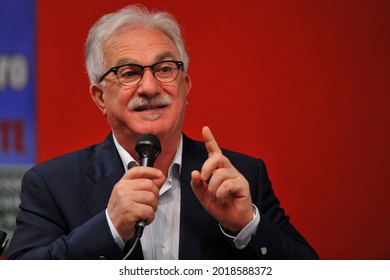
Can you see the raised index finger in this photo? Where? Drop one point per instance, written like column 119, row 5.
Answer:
column 211, row 145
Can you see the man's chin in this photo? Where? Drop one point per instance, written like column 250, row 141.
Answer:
column 151, row 117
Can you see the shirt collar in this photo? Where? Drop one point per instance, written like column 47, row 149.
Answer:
column 126, row 157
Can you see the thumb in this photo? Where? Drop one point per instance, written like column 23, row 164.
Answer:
column 196, row 181
column 198, row 186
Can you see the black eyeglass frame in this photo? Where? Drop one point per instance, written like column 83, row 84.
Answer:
column 179, row 64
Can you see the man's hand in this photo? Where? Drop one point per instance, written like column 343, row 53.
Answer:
column 221, row 189
column 135, row 197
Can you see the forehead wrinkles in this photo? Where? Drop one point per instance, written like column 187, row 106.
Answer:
column 139, row 45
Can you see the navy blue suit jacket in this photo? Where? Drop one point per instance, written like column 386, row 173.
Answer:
column 63, row 202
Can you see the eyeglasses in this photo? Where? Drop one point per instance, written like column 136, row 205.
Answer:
column 131, row 74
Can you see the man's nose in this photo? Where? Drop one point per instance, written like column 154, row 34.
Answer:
column 148, row 85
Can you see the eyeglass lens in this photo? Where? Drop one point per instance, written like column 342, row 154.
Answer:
column 165, row 71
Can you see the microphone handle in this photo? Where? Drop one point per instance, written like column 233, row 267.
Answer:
column 147, row 161
column 139, row 228
column 140, row 225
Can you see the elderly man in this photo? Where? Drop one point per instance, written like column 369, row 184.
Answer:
column 197, row 201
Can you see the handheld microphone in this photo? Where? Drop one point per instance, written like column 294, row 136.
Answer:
column 148, row 147
column 3, row 243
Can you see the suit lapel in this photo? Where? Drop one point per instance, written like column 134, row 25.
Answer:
column 195, row 223
column 104, row 171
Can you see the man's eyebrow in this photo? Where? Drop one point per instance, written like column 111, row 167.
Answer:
column 163, row 56
column 125, row 61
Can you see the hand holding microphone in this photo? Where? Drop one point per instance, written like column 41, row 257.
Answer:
column 134, row 199
column 148, row 147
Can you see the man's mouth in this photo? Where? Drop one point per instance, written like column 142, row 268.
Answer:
column 148, row 108
column 142, row 104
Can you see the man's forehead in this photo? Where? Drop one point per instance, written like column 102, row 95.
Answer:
column 138, row 45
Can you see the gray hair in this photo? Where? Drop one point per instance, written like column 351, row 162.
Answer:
column 132, row 16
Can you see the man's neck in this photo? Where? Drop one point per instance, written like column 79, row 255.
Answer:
column 169, row 146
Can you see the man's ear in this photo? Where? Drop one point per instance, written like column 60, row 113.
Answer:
column 97, row 95
column 188, row 85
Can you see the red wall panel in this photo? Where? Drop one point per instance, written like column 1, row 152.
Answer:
column 302, row 84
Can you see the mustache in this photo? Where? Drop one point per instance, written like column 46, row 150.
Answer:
column 142, row 102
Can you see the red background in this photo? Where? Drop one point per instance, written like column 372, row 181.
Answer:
column 302, row 84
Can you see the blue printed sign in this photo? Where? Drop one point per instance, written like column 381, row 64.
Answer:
column 17, row 82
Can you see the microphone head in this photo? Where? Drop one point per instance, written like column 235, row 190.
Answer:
column 148, row 147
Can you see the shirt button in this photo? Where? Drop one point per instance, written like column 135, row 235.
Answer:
column 102, row 257
column 263, row 251
column 162, row 244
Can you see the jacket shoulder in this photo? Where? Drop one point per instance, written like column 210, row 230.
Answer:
column 79, row 157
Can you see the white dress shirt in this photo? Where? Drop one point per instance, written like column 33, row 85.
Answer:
column 160, row 239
